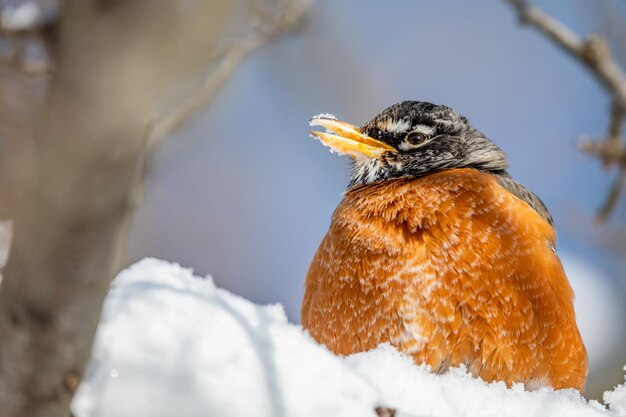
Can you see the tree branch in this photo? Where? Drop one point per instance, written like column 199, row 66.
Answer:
column 617, row 117
column 594, row 53
column 613, row 197
column 271, row 25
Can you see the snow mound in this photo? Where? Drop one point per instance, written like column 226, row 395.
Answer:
column 616, row 399
column 413, row 390
column 172, row 344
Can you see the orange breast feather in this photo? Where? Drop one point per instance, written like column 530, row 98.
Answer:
column 452, row 269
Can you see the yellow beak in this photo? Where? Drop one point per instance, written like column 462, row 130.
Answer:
column 347, row 139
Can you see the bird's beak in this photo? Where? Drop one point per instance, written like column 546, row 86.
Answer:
column 347, row 139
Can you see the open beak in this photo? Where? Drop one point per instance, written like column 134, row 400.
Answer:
column 347, row 139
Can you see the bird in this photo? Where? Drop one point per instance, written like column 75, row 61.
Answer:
column 437, row 251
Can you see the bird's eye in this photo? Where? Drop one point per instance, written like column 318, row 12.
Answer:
column 415, row 138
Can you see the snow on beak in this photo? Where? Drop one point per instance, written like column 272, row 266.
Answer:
column 347, row 139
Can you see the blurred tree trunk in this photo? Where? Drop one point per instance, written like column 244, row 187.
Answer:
column 79, row 178
column 79, row 90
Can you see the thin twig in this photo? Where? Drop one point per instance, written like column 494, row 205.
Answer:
column 594, row 53
column 287, row 18
column 617, row 118
column 610, row 152
column 613, row 197
column 614, row 147
column 166, row 124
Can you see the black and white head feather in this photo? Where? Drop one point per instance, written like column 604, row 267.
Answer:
column 430, row 138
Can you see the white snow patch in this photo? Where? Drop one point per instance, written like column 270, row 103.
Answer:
column 322, row 116
column 6, row 231
column 413, row 390
column 616, row 399
column 171, row 344
column 23, row 17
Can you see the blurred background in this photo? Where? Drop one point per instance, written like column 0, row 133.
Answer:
column 243, row 194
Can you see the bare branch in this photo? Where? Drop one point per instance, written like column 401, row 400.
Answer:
column 166, row 124
column 594, row 53
column 613, row 197
column 611, row 152
column 270, row 26
column 558, row 32
column 617, row 118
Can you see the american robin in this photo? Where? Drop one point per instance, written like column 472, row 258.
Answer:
column 436, row 250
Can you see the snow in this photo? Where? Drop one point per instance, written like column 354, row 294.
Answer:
column 172, row 344
column 6, row 230
column 23, row 17
column 5, row 240
column 413, row 390
column 322, row 116
column 616, row 399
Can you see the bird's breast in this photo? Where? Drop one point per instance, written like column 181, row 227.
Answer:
column 452, row 269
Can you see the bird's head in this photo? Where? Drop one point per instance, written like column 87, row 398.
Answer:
column 410, row 139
